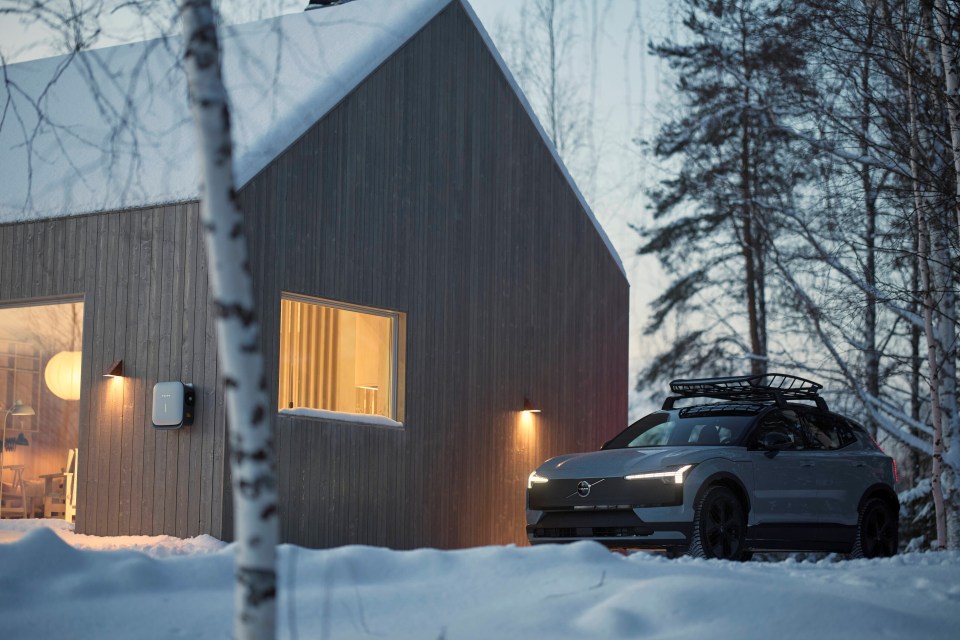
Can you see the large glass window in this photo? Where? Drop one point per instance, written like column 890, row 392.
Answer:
column 40, row 357
column 339, row 358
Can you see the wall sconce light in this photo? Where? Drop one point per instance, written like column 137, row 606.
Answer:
column 115, row 370
column 528, row 406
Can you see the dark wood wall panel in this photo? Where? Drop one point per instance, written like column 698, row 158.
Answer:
column 429, row 191
column 142, row 277
column 426, row 191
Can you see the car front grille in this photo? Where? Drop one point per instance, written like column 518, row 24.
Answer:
column 592, row 532
column 604, row 494
column 590, row 524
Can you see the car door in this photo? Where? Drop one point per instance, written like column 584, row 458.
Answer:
column 839, row 470
column 785, row 488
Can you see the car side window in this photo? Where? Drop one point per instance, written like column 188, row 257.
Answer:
column 845, row 431
column 786, row 422
column 821, row 431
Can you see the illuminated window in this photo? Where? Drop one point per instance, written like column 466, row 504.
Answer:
column 40, row 383
column 340, row 358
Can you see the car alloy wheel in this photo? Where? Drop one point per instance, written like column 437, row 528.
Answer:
column 719, row 526
column 877, row 531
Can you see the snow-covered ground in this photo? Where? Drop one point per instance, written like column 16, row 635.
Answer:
column 56, row 584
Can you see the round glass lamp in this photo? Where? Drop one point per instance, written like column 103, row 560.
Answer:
column 62, row 375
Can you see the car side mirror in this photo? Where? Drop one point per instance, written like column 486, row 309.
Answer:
column 774, row 441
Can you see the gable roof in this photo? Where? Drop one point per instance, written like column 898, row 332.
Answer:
column 98, row 131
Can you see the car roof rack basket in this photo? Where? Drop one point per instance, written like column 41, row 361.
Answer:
column 767, row 387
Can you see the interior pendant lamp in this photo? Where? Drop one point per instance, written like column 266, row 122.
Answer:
column 62, row 375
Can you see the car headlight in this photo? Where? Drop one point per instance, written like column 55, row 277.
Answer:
column 674, row 473
column 535, row 479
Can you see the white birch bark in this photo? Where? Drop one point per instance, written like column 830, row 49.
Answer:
column 946, row 332
column 949, row 55
column 933, row 19
column 926, row 285
column 251, row 435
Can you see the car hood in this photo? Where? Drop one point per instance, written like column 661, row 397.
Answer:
column 621, row 462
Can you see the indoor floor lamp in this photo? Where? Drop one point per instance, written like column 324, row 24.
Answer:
column 18, row 409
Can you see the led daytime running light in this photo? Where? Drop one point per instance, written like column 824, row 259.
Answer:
column 535, row 479
column 676, row 475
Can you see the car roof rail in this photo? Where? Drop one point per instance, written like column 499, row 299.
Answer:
column 766, row 387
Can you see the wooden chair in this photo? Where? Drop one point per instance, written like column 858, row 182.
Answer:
column 13, row 495
column 70, row 485
column 60, row 493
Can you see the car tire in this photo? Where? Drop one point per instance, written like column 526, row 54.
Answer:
column 877, row 531
column 719, row 526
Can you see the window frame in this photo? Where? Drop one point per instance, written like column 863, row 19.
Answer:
column 398, row 329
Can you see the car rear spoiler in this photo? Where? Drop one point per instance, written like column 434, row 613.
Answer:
column 775, row 387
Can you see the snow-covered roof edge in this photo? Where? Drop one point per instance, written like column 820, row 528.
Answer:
column 108, row 111
column 373, row 57
column 543, row 133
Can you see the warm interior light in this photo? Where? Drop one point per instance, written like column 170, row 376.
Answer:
column 528, row 406
column 115, row 370
column 20, row 409
column 62, row 375
column 336, row 359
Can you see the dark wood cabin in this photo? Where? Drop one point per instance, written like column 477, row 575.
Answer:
column 423, row 266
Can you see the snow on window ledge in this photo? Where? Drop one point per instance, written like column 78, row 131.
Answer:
column 341, row 416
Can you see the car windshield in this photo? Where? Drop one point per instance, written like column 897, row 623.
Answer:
column 672, row 430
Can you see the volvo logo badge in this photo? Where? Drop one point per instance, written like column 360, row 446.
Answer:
column 583, row 488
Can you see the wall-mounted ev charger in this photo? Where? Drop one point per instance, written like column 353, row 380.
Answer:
column 172, row 405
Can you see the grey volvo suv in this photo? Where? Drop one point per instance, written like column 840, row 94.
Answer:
column 768, row 468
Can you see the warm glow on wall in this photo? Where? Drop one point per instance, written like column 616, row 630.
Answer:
column 525, row 432
column 527, row 419
column 62, row 375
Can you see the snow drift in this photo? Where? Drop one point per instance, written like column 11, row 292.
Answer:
column 49, row 589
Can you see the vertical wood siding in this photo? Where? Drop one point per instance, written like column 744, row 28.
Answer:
column 426, row 191
column 142, row 277
column 429, row 191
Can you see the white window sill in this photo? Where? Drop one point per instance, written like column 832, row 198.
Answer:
column 341, row 416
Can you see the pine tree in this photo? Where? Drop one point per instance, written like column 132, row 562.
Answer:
column 740, row 72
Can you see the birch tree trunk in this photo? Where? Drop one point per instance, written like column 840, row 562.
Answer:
column 251, row 436
column 949, row 54
column 933, row 17
column 750, row 237
column 871, row 354
column 923, row 253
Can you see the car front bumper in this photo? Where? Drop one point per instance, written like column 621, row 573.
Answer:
column 619, row 528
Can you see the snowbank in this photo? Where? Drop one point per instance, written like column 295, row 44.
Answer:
column 49, row 589
column 153, row 546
